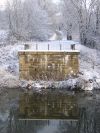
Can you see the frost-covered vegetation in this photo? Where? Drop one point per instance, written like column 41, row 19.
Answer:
column 39, row 19
column 44, row 20
column 9, row 69
column 85, row 15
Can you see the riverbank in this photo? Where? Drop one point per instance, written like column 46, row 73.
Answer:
column 88, row 77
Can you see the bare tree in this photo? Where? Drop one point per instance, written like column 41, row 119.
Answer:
column 97, row 31
column 82, row 11
column 27, row 20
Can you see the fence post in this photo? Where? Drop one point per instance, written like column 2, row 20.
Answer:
column 72, row 46
column 60, row 47
column 26, row 46
column 48, row 47
column 36, row 46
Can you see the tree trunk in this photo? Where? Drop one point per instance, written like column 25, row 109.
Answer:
column 69, row 37
column 97, row 20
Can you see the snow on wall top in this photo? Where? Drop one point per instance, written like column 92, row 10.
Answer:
column 53, row 46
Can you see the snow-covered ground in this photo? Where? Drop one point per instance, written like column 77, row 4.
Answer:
column 3, row 35
column 9, row 67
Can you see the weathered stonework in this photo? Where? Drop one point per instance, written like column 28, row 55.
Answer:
column 47, row 65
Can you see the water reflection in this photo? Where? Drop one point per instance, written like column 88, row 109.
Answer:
column 47, row 126
column 48, row 106
column 60, row 113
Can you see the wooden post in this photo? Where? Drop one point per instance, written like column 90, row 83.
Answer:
column 48, row 47
column 26, row 46
column 60, row 47
column 73, row 46
column 36, row 46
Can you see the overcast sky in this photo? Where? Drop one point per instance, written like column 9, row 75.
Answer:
column 3, row 3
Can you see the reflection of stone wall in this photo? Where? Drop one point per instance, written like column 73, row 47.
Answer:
column 47, row 65
column 48, row 106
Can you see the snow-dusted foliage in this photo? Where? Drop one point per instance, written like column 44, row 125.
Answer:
column 86, row 16
column 69, row 22
column 54, row 12
column 27, row 20
column 9, row 68
column 89, row 69
column 35, row 20
column 3, row 35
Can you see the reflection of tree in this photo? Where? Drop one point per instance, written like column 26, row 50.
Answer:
column 67, row 127
column 3, row 126
column 24, row 126
column 86, row 123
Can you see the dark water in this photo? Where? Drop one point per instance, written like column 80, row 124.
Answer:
column 48, row 106
column 49, row 112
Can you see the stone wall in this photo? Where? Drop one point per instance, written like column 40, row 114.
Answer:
column 47, row 65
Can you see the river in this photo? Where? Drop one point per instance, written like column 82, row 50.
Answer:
column 49, row 112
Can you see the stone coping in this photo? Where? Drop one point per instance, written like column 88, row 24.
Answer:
column 77, row 51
